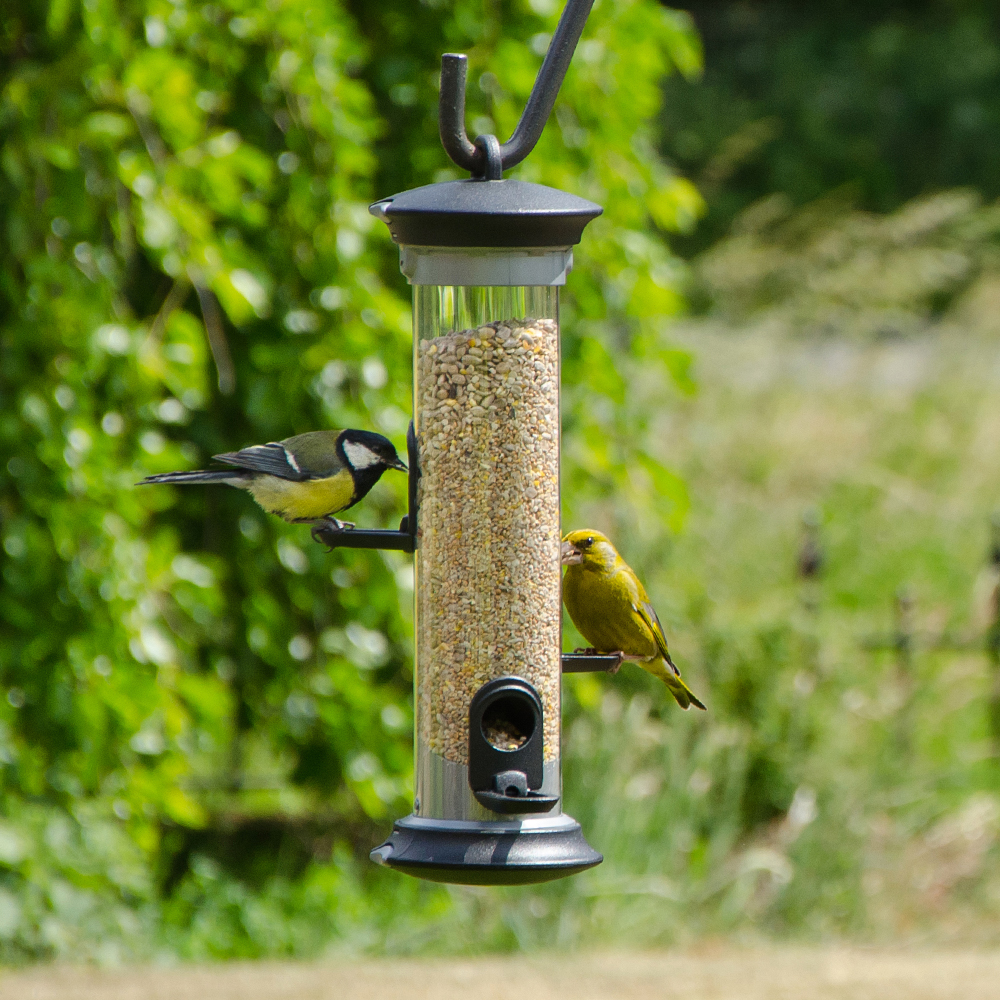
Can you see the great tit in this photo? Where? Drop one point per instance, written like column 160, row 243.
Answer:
column 306, row 478
column 611, row 609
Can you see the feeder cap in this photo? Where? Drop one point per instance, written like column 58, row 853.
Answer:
column 480, row 213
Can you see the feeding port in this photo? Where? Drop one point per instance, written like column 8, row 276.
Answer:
column 508, row 725
column 505, row 748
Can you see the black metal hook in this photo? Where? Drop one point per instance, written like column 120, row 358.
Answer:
column 476, row 156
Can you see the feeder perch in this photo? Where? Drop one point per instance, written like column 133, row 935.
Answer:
column 486, row 257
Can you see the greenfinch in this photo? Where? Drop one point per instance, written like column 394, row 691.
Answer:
column 303, row 479
column 611, row 610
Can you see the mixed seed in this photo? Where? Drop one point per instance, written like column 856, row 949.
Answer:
column 488, row 550
column 504, row 735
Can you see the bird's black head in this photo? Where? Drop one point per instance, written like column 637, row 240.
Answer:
column 366, row 450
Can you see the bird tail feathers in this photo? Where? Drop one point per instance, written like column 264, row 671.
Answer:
column 683, row 695
column 228, row 477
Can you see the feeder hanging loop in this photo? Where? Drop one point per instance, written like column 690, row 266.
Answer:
column 477, row 157
column 489, row 147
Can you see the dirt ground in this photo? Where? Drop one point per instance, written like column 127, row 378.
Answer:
column 721, row 973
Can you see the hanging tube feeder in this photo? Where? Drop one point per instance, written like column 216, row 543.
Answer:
column 486, row 257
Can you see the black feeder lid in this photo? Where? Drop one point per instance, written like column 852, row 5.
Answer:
column 486, row 213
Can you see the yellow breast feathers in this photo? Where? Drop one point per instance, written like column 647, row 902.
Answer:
column 309, row 500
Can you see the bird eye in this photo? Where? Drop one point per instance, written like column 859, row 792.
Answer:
column 587, row 542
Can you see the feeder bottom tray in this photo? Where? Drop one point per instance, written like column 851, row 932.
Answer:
column 467, row 852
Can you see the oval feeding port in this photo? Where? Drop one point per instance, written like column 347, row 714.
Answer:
column 506, row 747
column 508, row 723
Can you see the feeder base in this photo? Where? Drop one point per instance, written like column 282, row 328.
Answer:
column 487, row 853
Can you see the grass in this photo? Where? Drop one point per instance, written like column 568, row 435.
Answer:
column 831, row 791
column 834, row 788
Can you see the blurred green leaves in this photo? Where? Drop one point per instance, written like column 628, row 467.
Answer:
column 188, row 266
column 891, row 101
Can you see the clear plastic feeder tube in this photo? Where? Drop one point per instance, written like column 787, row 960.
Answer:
column 486, row 385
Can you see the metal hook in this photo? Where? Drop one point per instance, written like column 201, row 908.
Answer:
column 473, row 156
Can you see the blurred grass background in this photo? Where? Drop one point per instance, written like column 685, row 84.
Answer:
column 206, row 720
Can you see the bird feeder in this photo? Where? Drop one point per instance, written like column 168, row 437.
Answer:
column 486, row 257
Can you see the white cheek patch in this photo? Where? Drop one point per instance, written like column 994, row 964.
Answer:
column 359, row 456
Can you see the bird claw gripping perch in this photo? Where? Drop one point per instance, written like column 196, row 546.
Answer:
column 327, row 525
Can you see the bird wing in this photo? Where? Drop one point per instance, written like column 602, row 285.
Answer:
column 315, row 452
column 645, row 611
column 273, row 459
column 642, row 607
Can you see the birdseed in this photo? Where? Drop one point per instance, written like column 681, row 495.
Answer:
column 504, row 735
column 488, row 529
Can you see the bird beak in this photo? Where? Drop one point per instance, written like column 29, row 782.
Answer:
column 571, row 555
column 398, row 464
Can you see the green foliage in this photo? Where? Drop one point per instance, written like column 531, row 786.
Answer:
column 188, row 266
column 207, row 719
column 893, row 100
column 827, row 269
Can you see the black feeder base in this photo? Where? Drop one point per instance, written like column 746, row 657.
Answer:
column 474, row 854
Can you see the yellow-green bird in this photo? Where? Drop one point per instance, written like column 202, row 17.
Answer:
column 304, row 479
column 611, row 610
